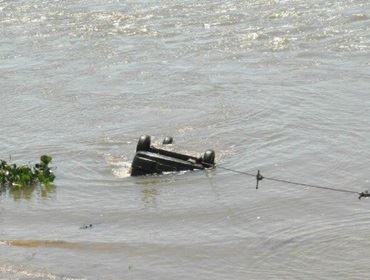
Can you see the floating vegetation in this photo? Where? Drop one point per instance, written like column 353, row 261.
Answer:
column 24, row 176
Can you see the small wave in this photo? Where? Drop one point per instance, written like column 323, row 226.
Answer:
column 123, row 167
column 283, row 14
column 122, row 172
column 279, row 43
column 10, row 270
column 21, row 272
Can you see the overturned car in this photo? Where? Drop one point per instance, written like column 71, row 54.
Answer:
column 151, row 160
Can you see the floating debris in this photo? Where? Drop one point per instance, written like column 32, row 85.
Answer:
column 22, row 176
column 86, row 226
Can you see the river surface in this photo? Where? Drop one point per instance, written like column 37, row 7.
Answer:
column 279, row 86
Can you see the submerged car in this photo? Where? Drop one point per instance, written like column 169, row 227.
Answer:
column 151, row 160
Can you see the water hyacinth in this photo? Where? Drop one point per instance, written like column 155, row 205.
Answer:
column 22, row 176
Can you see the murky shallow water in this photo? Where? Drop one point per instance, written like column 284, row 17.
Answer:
column 281, row 86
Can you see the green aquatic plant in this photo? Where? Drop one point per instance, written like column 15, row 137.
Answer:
column 22, row 176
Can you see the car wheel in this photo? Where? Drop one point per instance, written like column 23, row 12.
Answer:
column 209, row 157
column 167, row 140
column 143, row 144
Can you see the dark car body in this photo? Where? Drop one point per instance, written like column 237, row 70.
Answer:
column 151, row 160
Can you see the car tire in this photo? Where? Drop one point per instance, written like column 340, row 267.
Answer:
column 167, row 140
column 143, row 144
column 208, row 158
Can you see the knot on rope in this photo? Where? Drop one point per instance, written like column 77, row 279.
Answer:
column 363, row 194
column 259, row 178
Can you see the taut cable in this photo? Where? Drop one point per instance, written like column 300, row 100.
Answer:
column 259, row 178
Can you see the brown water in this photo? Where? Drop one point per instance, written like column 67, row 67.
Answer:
column 280, row 86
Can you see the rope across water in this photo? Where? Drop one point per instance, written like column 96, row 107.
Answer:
column 259, row 178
